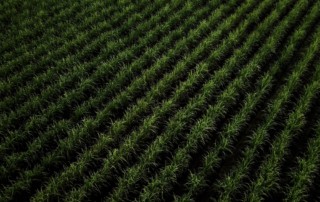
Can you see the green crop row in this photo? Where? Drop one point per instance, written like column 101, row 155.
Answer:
column 269, row 170
column 198, row 135
column 230, row 183
column 70, row 40
column 157, row 115
column 66, row 81
column 88, row 53
column 112, row 85
column 45, row 138
column 197, row 180
column 61, row 13
column 302, row 175
column 103, row 114
column 159, row 100
column 66, row 37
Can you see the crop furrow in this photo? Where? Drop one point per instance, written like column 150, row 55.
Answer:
column 30, row 25
column 79, row 48
column 134, row 174
column 117, row 127
column 161, row 100
column 39, row 53
column 101, row 117
column 109, row 90
column 197, row 181
column 267, row 176
column 162, row 182
column 35, row 29
column 153, row 148
column 302, row 176
column 79, row 78
column 18, row 17
column 232, row 182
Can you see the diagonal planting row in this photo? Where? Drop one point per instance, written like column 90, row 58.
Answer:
column 184, row 41
column 195, row 34
column 75, row 134
column 63, row 42
column 134, row 174
column 197, row 181
column 69, row 78
column 163, row 181
column 130, row 143
column 9, row 12
column 75, row 77
column 48, row 93
column 14, row 16
column 56, row 15
column 64, row 181
column 123, row 115
column 121, row 77
column 78, row 50
column 232, row 182
column 99, row 75
column 268, row 174
column 107, row 90
column 302, row 176
column 117, row 128
column 29, row 30
column 39, row 51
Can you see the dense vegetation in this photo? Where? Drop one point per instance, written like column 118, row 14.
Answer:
column 160, row 100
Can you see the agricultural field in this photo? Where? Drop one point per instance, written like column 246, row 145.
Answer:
column 160, row 100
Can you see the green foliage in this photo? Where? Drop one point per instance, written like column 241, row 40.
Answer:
column 159, row 100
